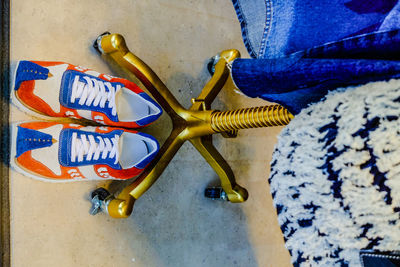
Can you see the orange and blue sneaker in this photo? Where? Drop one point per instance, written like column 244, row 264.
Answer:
column 54, row 151
column 59, row 89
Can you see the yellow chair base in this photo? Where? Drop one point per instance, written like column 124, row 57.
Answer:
column 196, row 124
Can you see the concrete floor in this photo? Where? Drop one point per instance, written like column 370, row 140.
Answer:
column 172, row 224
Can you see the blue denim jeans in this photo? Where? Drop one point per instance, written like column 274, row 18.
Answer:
column 275, row 28
column 303, row 49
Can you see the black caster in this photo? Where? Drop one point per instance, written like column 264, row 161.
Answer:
column 215, row 193
column 96, row 42
column 98, row 198
column 211, row 64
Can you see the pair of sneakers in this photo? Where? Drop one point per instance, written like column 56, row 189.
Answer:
column 54, row 151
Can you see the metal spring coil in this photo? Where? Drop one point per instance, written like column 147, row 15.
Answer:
column 267, row 116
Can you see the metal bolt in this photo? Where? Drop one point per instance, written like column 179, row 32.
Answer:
column 96, row 205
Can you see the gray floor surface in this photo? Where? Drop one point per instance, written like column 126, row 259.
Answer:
column 172, row 224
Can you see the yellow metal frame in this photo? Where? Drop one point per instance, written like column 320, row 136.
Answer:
column 196, row 124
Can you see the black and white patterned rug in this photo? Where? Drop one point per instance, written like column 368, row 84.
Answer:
column 335, row 176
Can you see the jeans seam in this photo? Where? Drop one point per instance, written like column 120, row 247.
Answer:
column 267, row 28
column 243, row 25
column 354, row 39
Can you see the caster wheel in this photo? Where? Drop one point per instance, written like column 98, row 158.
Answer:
column 98, row 198
column 215, row 193
column 96, row 42
column 211, row 64
column 101, row 194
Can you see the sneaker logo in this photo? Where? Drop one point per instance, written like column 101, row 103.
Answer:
column 103, row 172
column 102, row 128
column 108, row 77
column 99, row 119
column 70, row 114
column 74, row 174
column 93, row 73
column 80, row 68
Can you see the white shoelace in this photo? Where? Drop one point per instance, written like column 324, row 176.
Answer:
column 93, row 92
column 86, row 145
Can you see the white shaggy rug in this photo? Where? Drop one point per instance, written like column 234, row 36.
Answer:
column 335, row 176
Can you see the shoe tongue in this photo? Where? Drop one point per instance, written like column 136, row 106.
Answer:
column 121, row 143
column 119, row 99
